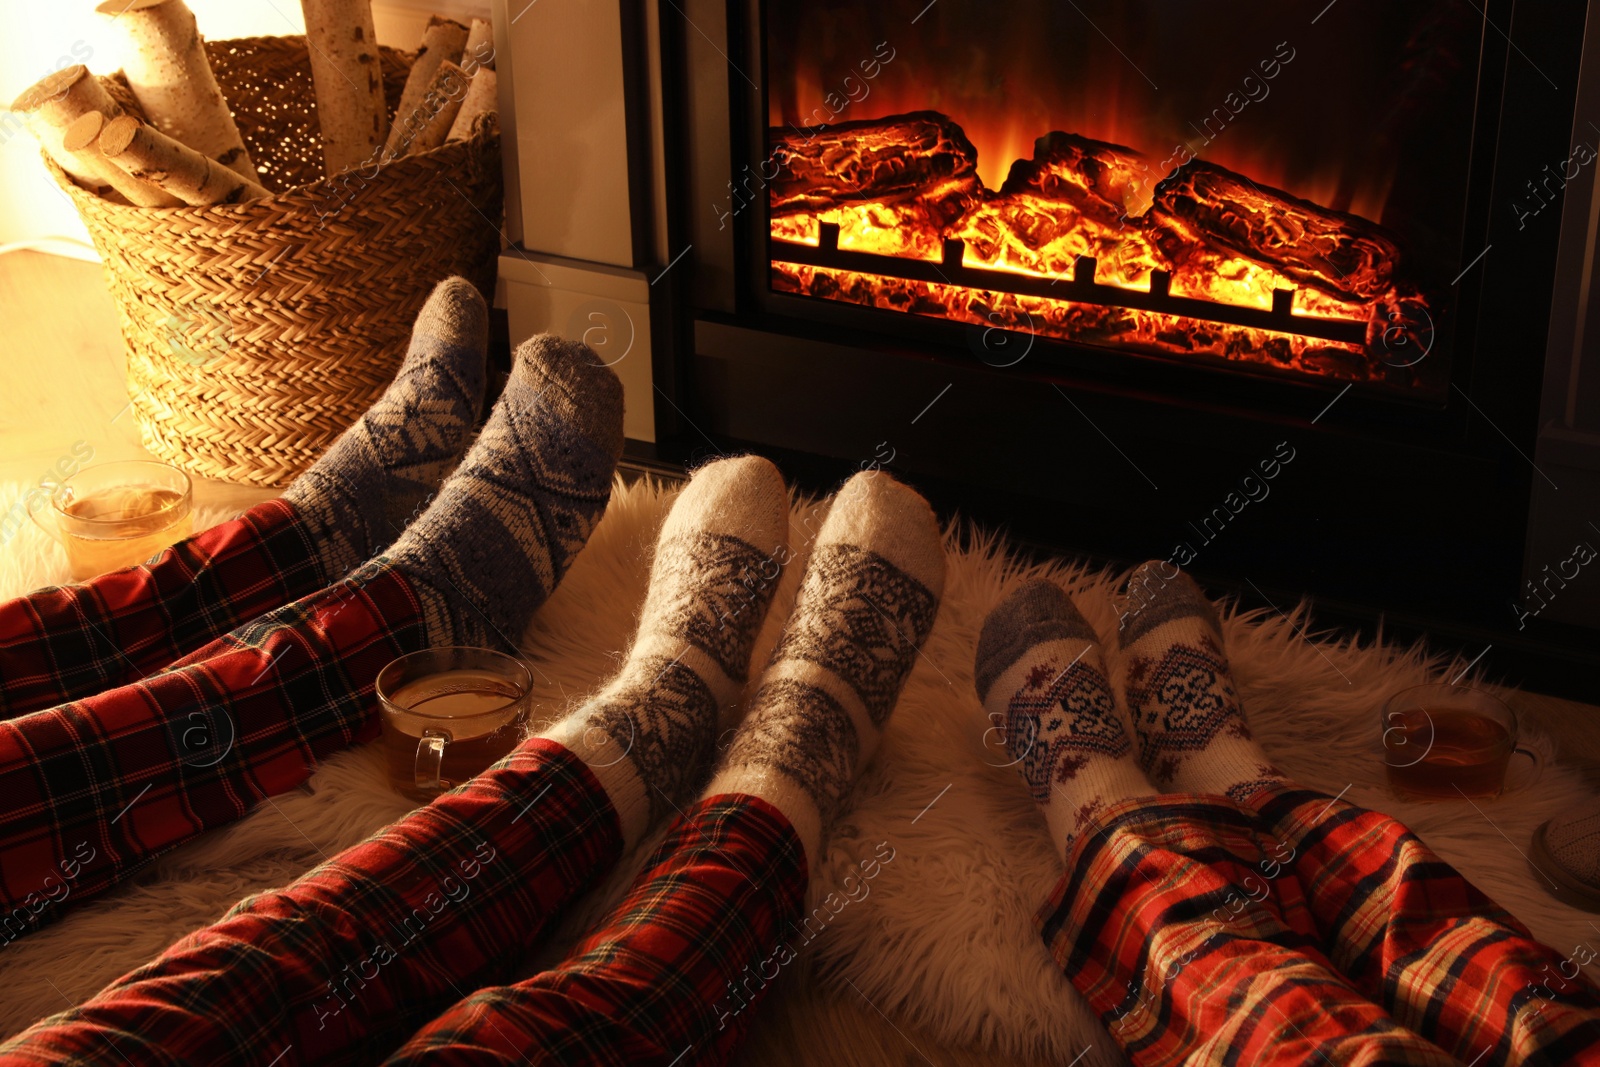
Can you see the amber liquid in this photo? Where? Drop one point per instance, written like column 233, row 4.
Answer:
column 480, row 712
column 1462, row 752
column 120, row 526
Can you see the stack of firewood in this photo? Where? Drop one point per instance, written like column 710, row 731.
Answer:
column 185, row 148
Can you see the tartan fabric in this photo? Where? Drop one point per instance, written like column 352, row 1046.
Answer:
column 343, row 964
column 671, row 976
column 69, row 642
column 94, row 788
column 1297, row 930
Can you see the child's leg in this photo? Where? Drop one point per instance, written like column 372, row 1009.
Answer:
column 70, row 642
column 1163, row 922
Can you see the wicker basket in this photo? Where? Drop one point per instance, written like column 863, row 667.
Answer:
column 256, row 333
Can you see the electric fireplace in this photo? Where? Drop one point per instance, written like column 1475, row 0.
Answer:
column 1090, row 270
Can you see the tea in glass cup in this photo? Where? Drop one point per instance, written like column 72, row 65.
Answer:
column 114, row 515
column 1449, row 742
column 449, row 714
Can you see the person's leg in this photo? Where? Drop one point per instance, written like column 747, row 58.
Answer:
column 92, row 789
column 65, row 643
column 1402, row 925
column 1163, row 921
column 673, row 974
column 347, row 961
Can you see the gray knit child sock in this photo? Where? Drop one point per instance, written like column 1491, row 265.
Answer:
column 649, row 733
column 1042, row 679
column 1192, row 733
column 508, row 522
column 865, row 606
column 364, row 490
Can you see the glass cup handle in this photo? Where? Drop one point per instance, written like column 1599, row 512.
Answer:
column 1538, row 762
column 31, row 500
column 430, row 758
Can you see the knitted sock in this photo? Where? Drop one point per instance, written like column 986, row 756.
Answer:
column 364, row 490
column 865, row 606
column 507, row 523
column 1041, row 676
column 1191, row 728
column 648, row 735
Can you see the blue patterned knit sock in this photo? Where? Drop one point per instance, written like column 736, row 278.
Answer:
column 1042, row 678
column 364, row 490
column 507, row 523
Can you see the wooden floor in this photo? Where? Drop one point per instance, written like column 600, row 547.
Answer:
column 61, row 387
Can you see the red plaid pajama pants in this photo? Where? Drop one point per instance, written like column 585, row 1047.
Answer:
column 1299, row 929
column 346, row 963
column 233, row 670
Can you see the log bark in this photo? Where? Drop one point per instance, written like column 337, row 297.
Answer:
column 441, row 103
column 351, row 110
column 52, row 103
column 152, row 156
column 442, row 42
column 167, row 70
column 482, row 99
column 82, row 139
column 479, row 49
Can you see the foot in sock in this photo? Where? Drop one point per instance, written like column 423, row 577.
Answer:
column 505, row 526
column 865, row 606
column 1186, row 712
column 648, row 735
column 1041, row 677
column 361, row 493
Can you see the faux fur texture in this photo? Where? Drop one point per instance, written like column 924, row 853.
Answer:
column 943, row 936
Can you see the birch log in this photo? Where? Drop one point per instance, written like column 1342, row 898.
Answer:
column 440, row 105
column 52, row 103
column 169, row 74
column 353, row 114
column 479, row 49
column 442, row 42
column 481, row 99
column 152, row 156
column 82, row 139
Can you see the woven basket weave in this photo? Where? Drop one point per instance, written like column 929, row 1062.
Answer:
column 257, row 332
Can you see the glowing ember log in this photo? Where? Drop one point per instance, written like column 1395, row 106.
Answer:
column 905, row 186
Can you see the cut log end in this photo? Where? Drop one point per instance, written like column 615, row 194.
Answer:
column 83, row 131
column 49, row 87
column 118, row 134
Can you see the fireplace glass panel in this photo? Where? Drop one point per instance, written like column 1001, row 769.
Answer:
column 1251, row 186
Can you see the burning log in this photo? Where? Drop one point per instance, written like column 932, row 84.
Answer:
column 907, row 187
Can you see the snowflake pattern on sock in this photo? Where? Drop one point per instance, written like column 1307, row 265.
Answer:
column 1181, row 703
column 861, row 617
column 716, row 583
column 811, row 739
column 663, row 721
column 1062, row 717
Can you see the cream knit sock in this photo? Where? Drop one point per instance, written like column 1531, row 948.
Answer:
column 865, row 606
column 648, row 735
column 1191, row 728
column 1041, row 676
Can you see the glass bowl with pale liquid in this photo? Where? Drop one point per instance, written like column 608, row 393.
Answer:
column 449, row 714
column 114, row 515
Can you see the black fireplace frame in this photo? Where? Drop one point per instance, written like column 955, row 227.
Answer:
column 1396, row 510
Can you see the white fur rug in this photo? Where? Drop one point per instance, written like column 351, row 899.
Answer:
column 944, row 937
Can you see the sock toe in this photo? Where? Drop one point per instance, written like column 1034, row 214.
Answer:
column 736, row 496
column 873, row 511
column 584, row 392
column 1157, row 593
column 455, row 312
column 1034, row 612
